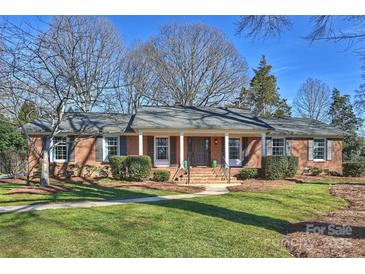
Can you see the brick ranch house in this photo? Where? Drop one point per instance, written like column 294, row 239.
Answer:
column 170, row 135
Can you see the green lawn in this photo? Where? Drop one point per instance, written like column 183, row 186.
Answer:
column 79, row 192
column 246, row 224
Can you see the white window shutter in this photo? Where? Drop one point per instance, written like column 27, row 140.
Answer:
column 269, row 146
column 310, row 149
column 288, row 146
column 329, row 150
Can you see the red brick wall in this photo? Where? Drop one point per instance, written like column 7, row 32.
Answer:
column 35, row 145
column 300, row 150
column 85, row 152
column 216, row 149
column 254, row 152
column 132, row 145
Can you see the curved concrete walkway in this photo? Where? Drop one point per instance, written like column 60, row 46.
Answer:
column 212, row 189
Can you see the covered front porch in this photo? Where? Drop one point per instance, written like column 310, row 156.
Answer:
column 202, row 148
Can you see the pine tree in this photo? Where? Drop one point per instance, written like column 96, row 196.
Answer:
column 343, row 117
column 283, row 109
column 243, row 101
column 264, row 92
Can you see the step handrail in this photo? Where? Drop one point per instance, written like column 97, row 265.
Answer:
column 226, row 168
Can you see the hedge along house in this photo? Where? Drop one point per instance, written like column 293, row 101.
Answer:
column 201, row 136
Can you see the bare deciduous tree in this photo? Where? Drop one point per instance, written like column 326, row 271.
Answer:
column 196, row 65
column 324, row 27
column 135, row 83
column 313, row 100
column 54, row 67
column 88, row 50
column 263, row 26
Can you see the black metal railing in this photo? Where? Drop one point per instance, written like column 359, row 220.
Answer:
column 188, row 166
column 177, row 174
column 226, row 170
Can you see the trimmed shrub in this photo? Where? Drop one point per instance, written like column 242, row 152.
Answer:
column 118, row 167
column 90, row 170
column 278, row 167
column 138, row 167
column 292, row 166
column 248, row 173
column 332, row 173
column 354, row 169
column 274, row 167
column 74, row 169
column 103, row 171
column 161, row 175
column 315, row 171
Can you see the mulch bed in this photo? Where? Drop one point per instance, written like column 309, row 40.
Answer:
column 38, row 190
column 35, row 189
column 339, row 234
column 309, row 179
column 156, row 186
column 257, row 185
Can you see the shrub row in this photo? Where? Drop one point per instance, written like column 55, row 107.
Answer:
column 131, row 168
column 354, row 169
column 278, row 167
column 161, row 175
column 248, row 173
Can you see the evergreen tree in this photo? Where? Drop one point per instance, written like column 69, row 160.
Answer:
column 11, row 138
column 343, row 117
column 283, row 109
column 27, row 113
column 264, row 92
column 243, row 101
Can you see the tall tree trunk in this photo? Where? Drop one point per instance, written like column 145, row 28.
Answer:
column 44, row 181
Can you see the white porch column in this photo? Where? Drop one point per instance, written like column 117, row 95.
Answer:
column 140, row 142
column 226, row 148
column 263, row 144
column 182, row 148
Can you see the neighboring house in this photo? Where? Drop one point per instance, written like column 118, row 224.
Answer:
column 170, row 135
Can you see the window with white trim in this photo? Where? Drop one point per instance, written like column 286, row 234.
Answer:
column 111, row 146
column 60, row 148
column 319, row 149
column 234, row 148
column 162, row 148
column 278, row 146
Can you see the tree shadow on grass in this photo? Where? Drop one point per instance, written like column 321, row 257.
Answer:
column 223, row 213
column 82, row 192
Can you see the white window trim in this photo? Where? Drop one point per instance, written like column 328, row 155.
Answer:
column 235, row 163
column 161, row 163
column 284, row 145
column 105, row 151
column 324, row 150
column 53, row 153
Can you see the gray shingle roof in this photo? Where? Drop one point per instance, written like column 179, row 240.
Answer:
column 302, row 127
column 196, row 118
column 85, row 123
column 178, row 117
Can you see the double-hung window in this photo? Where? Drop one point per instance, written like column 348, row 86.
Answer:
column 278, row 146
column 234, row 151
column 162, row 148
column 60, row 148
column 319, row 149
column 111, row 147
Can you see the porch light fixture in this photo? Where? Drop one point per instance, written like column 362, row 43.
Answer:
column 215, row 141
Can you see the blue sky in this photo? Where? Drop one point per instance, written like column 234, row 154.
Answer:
column 293, row 58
